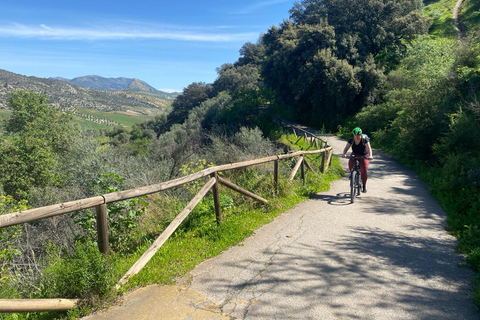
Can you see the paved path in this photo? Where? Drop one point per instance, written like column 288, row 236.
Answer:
column 387, row 256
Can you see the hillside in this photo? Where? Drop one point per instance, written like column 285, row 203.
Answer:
column 118, row 84
column 68, row 96
column 101, row 83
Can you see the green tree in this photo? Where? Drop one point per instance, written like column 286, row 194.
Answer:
column 251, row 53
column 37, row 137
column 192, row 96
column 370, row 24
column 239, row 78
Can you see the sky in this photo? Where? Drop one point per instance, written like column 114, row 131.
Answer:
column 168, row 44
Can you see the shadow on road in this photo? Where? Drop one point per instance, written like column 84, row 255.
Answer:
column 347, row 276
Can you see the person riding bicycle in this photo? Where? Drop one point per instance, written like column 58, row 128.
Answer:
column 360, row 144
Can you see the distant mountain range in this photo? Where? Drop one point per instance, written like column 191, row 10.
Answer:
column 65, row 95
column 118, row 84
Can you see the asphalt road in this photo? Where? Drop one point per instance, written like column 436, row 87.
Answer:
column 386, row 256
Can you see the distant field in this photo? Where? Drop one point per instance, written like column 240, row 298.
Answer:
column 125, row 120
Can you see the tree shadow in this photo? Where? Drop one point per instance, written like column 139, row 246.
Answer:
column 373, row 275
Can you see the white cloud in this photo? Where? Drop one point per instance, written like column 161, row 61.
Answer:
column 115, row 33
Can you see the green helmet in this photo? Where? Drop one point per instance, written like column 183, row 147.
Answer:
column 357, row 130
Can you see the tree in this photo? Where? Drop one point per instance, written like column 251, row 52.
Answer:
column 192, row 96
column 235, row 79
column 372, row 24
column 251, row 53
column 37, row 138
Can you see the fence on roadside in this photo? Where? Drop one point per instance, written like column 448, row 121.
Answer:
column 100, row 204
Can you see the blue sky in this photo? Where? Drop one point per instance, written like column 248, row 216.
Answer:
column 168, row 44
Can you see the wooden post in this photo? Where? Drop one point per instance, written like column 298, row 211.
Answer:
column 102, row 229
column 329, row 159
column 241, row 190
column 309, row 167
column 216, row 198
column 302, row 171
column 322, row 169
column 275, row 176
column 298, row 139
column 294, row 133
column 295, row 169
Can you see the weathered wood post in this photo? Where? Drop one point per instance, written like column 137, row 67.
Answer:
column 322, row 169
column 102, row 229
column 329, row 159
column 275, row 176
column 216, row 198
column 302, row 170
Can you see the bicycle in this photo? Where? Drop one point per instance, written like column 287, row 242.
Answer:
column 355, row 185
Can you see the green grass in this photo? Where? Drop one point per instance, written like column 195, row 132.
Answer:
column 470, row 15
column 441, row 14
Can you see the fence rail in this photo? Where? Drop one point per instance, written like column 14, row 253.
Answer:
column 100, row 202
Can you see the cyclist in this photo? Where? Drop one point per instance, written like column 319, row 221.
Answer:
column 360, row 144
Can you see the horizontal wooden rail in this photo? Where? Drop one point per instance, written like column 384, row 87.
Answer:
column 35, row 305
column 35, row 214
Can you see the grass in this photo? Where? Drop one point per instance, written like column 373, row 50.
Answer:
column 470, row 15
column 440, row 12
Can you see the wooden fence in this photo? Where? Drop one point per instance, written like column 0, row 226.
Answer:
column 100, row 202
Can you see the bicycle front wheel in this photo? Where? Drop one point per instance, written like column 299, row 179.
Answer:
column 353, row 186
column 358, row 184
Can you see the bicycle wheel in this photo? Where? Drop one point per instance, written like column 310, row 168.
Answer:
column 353, row 191
column 357, row 184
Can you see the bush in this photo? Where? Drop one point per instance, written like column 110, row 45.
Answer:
column 82, row 274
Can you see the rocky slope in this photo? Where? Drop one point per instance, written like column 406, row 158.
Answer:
column 65, row 95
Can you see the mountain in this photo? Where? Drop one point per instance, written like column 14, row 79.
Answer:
column 118, row 84
column 140, row 86
column 100, row 83
column 67, row 96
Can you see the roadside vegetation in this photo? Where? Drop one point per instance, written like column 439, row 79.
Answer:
column 428, row 117
column 410, row 85
column 66, row 261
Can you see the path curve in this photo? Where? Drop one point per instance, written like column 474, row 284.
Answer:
column 387, row 256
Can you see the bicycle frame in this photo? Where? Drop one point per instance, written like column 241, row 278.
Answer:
column 355, row 185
